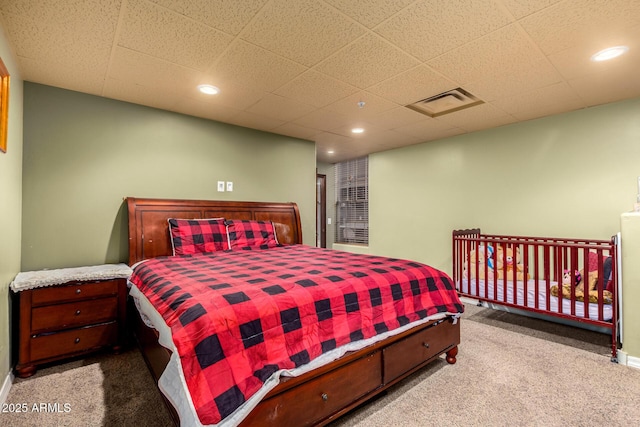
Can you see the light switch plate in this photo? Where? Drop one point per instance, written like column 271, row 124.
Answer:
column 229, row 186
column 220, row 185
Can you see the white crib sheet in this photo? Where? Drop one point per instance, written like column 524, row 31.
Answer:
column 463, row 287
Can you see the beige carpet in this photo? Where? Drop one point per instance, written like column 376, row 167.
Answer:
column 102, row 390
column 510, row 371
column 508, row 378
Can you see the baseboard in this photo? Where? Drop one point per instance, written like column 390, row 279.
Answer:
column 6, row 386
column 625, row 359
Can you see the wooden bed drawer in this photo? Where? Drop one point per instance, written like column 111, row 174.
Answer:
column 414, row 350
column 74, row 291
column 62, row 316
column 73, row 341
column 319, row 398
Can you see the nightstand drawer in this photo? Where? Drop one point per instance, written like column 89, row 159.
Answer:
column 73, row 341
column 63, row 316
column 74, row 291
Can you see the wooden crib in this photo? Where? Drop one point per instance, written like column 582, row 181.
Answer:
column 572, row 279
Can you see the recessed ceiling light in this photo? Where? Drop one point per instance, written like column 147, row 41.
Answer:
column 357, row 130
column 330, row 152
column 609, row 53
column 208, row 89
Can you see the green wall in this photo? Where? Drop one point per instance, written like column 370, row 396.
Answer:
column 569, row 175
column 83, row 154
column 10, row 203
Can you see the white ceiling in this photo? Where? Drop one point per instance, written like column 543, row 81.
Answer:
column 300, row 67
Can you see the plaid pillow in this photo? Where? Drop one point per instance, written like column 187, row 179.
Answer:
column 194, row 236
column 251, row 234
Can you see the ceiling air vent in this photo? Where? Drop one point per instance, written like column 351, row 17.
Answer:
column 445, row 103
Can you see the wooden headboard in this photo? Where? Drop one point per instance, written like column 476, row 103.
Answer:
column 149, row 230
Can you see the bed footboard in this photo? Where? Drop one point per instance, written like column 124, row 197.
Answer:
column 572, row 279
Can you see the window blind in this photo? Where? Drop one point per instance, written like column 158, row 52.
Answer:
column 352, row 201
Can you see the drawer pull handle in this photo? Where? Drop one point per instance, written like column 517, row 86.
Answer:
column 325, row 397
column 425, row 345
column 77, row 312
column 78, row 291
column 77, row 340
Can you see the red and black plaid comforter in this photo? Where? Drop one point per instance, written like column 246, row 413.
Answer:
column 238, row 317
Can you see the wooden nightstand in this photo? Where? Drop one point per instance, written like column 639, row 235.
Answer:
column 69, row 312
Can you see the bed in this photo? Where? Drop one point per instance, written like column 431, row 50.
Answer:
column 323, row 378
column 568, row 280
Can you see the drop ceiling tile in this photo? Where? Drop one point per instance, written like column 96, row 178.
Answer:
column 332, row 140
column 429, row 28
column 69, row 16
column 165, row 34
column 367, row 61
column 63, row 76
column 254, row 121
column 505, row 51
column 343, row 148
column 373, row 105
column 73, row 45
column 397, row 117
column 541, row 102
column 506, row 84
column 247, row 64
column 280, row 108
column 296, row 131
column 142, row 95
column 571, row 23
column 391, row 139
column 230, row 16
column 204, row 109
column 316, row 89
column 146, row 70
column 323, row 119
column 370, row 12
column 608, row 85
column 305, row 31
column 436, row 134
column 531, row 112
column 53, row 43
column 522, row 8
column 370, row 129
column 428, row 129
column 576, row 61
column 483, row 116
column 233, row 95
column 413, row 85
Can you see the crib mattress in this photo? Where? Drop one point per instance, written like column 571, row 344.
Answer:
column 518, row 298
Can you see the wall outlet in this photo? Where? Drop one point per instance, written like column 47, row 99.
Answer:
column 220, row 185
column 229, row 186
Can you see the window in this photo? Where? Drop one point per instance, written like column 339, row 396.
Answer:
column 352, row 201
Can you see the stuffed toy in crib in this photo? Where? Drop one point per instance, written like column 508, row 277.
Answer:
column 592, row 283
column 484, row 255
column 512, row 261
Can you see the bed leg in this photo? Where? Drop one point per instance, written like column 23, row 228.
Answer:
column 451, row 355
